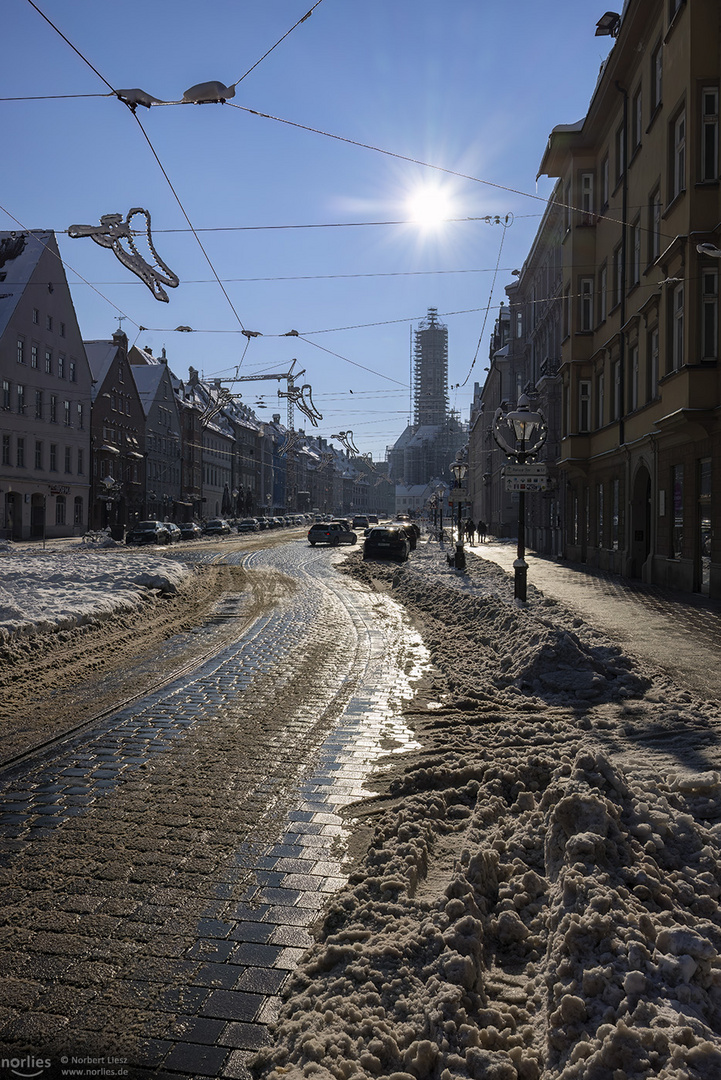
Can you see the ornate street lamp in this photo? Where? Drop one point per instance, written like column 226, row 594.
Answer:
column 529, row 431
column 459, row 468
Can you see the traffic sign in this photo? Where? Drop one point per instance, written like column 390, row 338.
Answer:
column 526, row 477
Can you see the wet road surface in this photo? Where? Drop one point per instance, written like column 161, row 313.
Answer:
column 158, row 874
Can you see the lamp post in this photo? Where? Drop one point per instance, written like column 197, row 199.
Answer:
column 459, row 468
column 529, row 430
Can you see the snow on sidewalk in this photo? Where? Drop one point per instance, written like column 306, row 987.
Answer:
column 540, row 897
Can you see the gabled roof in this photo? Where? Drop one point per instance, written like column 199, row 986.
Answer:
column 19, row 256
column 147, row 379
column 101, row 355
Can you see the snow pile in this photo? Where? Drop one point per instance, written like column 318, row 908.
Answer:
column 42, row 592
column 540, row 897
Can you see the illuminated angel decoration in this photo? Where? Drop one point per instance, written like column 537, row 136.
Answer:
column 292, row 441
column 114, row 233
column 346, row 437
column 325, row 460
column 301, row 396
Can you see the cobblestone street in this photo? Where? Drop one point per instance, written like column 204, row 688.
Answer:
column 161, row 870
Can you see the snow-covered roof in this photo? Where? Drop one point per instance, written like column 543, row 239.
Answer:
column 19, row 257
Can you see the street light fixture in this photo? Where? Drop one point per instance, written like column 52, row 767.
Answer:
column 459, row 468
column 529, row 430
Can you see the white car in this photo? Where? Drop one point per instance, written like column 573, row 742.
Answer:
column 331, row 532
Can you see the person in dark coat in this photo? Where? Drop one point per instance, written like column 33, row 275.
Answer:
column 470, row 530
column 481, row 532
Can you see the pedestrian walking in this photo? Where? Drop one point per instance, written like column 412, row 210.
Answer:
column 481, row 532
column 470, row 530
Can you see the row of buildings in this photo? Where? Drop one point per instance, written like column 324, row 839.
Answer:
column 97, row 434
column 612, row 324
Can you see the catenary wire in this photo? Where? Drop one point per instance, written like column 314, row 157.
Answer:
column 285, row 35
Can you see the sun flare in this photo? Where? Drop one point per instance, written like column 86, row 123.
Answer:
column 430, row 206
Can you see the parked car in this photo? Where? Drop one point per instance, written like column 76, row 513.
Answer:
column 331, row 532
column 248, row 525
column 148, row 532
column 387, row 542
column 190, row 530
column 174, row 531
column 216, row 527
column 360, row 521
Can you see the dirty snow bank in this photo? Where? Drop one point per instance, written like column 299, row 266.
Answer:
column 43, row 592
column 540, row 898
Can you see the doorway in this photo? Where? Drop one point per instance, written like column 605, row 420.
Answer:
column 640, row 521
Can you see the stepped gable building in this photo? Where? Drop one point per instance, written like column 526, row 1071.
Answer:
column 641, row 389
column 118, row 438
column 45, row 394
column 428, row 445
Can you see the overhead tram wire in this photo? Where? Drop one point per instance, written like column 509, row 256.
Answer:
column 285, row 35
column 155, row 155
column 64, row 264
column 485, row 317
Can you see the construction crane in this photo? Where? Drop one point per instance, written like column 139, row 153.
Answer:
column 294, row 394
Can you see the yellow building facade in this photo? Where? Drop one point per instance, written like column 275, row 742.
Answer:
column 640, row 457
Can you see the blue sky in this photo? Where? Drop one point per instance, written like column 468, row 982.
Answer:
column 470, row 86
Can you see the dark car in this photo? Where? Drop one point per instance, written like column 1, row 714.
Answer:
column 148, row 532
column 387, row 542
column 216, row 527
column 248, row 525
column 173, row 531
column 411, row 530
column 331, row 532
column 189, row 530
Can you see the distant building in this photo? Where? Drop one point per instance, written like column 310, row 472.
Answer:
column 428, row 445
column 45, row 394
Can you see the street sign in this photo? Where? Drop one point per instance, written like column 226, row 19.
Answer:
column 456, row 495
column 526, row 477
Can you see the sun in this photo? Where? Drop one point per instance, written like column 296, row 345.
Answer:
column 430, row 206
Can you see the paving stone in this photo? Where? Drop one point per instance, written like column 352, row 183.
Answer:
column 196, row 1058
column 232, row 1005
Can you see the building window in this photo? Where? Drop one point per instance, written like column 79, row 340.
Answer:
column 78, row 510
column 600, row 399
column 72, row 374
column 48, row 362
column 53, row 457
column 636, row 252
column 633, row 401
column 709, row 133
column 617, row 275
column 567, row 207
column 519, row 324
column 81, row 416
column 586, row 303
column 66, row 413
column 652, row 365
column 656, row 76
column 678, row 155
column 636, row 120
column 584, row 405
column 36, row 316
column 6, row 450
column 21, row 399
column 81, row 462
column 602, row 292
column 6, row 394
column 677, row 324
column 616, row 373
column 567, row 312
column 20, row 453
column 587, row 207
column 605, row 189
column 62, row 329
column 33, row 356
column 709, row 315
column 59, row 509
column 21, row 351
column 677, row 528
column 38, row 404
column 654, row 225
column 620, row 144
column 48, row 322
column 53, row 409
column 68, row 459
column 61, row 367
column 38, row 455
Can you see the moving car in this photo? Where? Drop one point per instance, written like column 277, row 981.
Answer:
column 190, row 530
column 216, row 527
column 148, row 532
column 248, row 525
column 387, row 542
column 411, row 530
column 360, row 521
column 331, row 532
